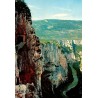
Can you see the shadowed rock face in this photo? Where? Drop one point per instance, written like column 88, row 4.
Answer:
column 21, row 7
column 27, row 46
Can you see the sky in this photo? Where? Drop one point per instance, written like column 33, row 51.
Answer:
column 55, row 9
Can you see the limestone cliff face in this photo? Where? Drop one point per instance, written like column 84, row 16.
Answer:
column 27, row 45
column 61, row 69
column 61, row 52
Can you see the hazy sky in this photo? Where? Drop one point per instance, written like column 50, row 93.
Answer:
column 55, row 9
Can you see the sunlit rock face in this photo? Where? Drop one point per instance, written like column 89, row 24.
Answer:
column 51, row 53
column 55, row 62
column 54, row 69
column 61, row 71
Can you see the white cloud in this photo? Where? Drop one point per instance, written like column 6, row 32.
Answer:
column 62, row 9
column 60, row 15
column 33, row 7
column 63, row 16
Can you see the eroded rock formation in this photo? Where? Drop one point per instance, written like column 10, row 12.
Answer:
column 43, row 70
column 27, row 46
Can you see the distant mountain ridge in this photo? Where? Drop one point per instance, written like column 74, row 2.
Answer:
column 58, row 29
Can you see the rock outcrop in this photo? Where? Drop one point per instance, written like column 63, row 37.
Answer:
column 28, row 53
column 61, row 70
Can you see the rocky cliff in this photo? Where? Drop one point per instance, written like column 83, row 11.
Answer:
column 61, row 68
column 44, row 69
column 27, row 45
